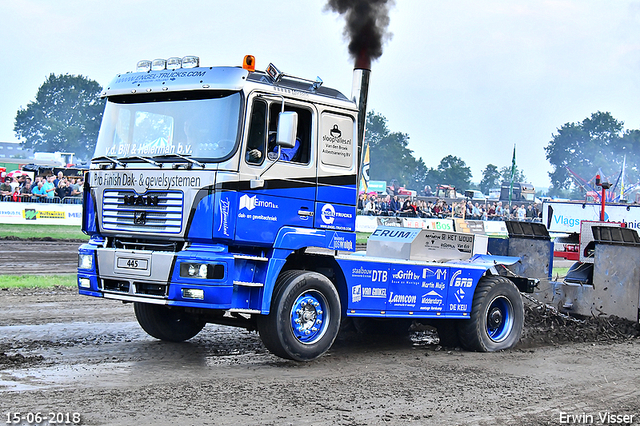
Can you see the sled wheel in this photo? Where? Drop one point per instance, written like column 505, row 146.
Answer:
column 497, row 316
column 304, row 318
column 173, row 325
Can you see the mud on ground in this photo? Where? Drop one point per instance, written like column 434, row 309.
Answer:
column 61, row 352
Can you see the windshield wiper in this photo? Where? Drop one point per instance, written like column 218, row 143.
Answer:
column 103, row 158
column 137, row 157
column 182, row 157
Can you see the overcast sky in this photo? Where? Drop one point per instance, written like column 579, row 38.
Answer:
column 465, row 78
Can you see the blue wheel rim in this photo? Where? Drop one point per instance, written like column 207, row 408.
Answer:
column 499, row 319
column 309, row 317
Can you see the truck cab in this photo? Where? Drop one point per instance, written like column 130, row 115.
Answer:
column 228, row 195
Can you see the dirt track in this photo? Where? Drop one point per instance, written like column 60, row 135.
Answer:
column 60, row 352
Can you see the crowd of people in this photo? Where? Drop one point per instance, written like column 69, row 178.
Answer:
column 396, row 206
column 45, row 189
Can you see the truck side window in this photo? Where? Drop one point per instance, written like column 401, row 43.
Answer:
column 257, row 133
column 303, row 132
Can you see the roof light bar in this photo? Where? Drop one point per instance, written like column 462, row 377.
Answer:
column 190, row 62
column 159, row 64
column 174, row 63
column 143, row 66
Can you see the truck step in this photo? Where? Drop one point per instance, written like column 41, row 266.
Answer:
column 247, row 257
column 245, row 311
column 248, row 284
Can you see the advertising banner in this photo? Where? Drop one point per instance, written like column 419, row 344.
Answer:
column 566, row 216
column 41, row 213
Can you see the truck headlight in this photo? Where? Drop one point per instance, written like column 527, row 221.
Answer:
column 85, row 261
column 205, row 271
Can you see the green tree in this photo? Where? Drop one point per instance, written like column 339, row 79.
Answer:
column 454, row 171
column 597, row 143
column 490, row 178
column 65, row 116
column 389, row 156
column 505, row 175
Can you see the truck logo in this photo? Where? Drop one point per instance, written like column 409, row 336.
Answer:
column 251, row 203
column 356, row 293
column 406, row 275
column 335, row 132
column 139, row 217
column 224, row 216
column 328, row 214
column 141, row 200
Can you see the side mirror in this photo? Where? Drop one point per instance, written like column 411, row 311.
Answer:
column 287, row 128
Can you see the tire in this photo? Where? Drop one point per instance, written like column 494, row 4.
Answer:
column 448, row 332
column 172, row 325
column 305, row 316
column 497, row 317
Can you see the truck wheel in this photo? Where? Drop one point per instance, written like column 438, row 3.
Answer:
column 172, row 325
column 304, row 318
column 497, row 316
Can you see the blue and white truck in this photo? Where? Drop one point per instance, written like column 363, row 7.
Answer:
column 228, row 195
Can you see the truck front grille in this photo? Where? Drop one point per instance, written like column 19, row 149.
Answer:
column 155, row 211
column 135, row 287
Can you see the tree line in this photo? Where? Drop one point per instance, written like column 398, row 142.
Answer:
column 391, row 159
column 67, row 111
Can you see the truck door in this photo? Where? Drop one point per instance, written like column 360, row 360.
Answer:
column 286, row 193
column 336, row 194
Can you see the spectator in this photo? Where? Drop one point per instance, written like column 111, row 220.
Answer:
column 370, row 206
column 38, row 191
column 428, row 210
column 384, row 206
column 63, row 189
column 49, row 187
column 361, row 200
column 521, row 212
column 491, row 213
column 6, row 190
column 475, row 212
column 530, row 213
column 25, row 191
column 77, row 187
column 395, row 206
column 500, row 212
column 56, row 181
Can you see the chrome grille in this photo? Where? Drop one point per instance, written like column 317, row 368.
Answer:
column 147, row 214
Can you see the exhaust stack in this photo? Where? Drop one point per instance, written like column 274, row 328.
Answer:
column 359, row 92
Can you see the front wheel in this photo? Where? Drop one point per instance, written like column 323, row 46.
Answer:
column 173, row 325
column 497, row 316
column 304, row 318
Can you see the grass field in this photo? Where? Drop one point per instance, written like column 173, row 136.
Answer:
column 57, row 232
column 40, row 281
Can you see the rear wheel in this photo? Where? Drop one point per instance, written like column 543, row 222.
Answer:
column 304, row 318
column 173, row 325
column 497, row 316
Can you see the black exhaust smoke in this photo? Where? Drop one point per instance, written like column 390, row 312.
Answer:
column 366, row 27
column 366, row 30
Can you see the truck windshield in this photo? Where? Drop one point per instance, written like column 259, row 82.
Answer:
column 204, row 127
